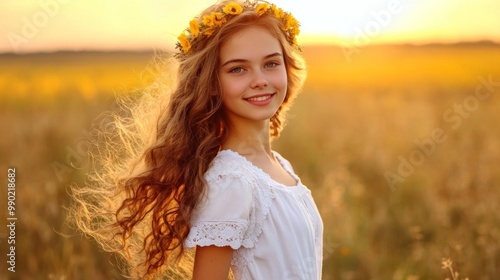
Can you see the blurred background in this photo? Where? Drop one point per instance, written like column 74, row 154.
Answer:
column 396, row 131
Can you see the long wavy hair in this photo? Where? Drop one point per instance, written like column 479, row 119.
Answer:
column 149, row 159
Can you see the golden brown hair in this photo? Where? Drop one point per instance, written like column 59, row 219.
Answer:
column 149, row 169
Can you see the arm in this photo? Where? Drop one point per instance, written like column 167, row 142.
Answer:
column 212, row 262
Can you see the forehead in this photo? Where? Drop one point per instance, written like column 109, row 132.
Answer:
column 250, row 43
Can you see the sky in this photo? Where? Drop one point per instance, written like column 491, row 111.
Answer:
column 50, row 25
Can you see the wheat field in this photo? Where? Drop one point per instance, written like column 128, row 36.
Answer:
column 399, row 144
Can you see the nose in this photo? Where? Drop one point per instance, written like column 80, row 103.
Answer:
column 259, row 80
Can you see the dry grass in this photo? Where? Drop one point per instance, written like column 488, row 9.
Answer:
column 353, row 123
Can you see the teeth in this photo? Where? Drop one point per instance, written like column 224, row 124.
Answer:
column 260, row 98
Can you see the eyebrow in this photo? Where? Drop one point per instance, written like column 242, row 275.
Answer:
column 245, row 60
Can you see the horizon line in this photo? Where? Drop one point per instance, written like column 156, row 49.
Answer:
column 486, row 42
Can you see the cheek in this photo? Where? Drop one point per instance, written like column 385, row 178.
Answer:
column 225, row 87
column 282, row 80
column 233, row 86
column 229, row 90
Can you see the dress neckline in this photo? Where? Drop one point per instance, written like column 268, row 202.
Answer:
column 266, row 175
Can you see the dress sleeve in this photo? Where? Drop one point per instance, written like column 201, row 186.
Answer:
column 223, row 215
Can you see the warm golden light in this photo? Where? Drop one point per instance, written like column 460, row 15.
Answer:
column 64, row 24
column 397, row 143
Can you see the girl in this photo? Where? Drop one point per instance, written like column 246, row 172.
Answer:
column 205, row 176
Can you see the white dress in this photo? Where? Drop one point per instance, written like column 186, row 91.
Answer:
column 276, row 230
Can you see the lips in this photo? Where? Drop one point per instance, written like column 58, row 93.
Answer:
column 260, row 97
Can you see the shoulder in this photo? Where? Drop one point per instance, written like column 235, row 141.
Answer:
column 228, row 165
column 230, row 178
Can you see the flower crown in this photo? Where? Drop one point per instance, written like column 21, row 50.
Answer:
column 207, row 25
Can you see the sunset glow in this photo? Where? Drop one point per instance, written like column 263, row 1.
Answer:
column 56, row 24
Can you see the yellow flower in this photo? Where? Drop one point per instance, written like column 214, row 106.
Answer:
column 184, row 42
column 232, row 8
column 219, row 19
column 209, row 31
column 262, row 8
column 291, row 25
column 279, row 13
column 214, row 20
column 209, row 20
column 194, row 28
column 291, row 22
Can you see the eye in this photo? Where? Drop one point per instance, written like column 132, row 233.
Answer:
column 271, row 64
column 236, row 70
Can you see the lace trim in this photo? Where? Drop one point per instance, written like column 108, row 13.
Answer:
column 217, row 233
column 231, row 165
column 262, row 193
column 241, row 235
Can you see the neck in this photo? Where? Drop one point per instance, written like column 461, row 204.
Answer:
column 249, row 138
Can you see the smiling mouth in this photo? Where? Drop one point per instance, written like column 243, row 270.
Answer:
column 259, row 98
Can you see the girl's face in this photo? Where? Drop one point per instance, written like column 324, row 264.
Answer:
column 252, row 75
